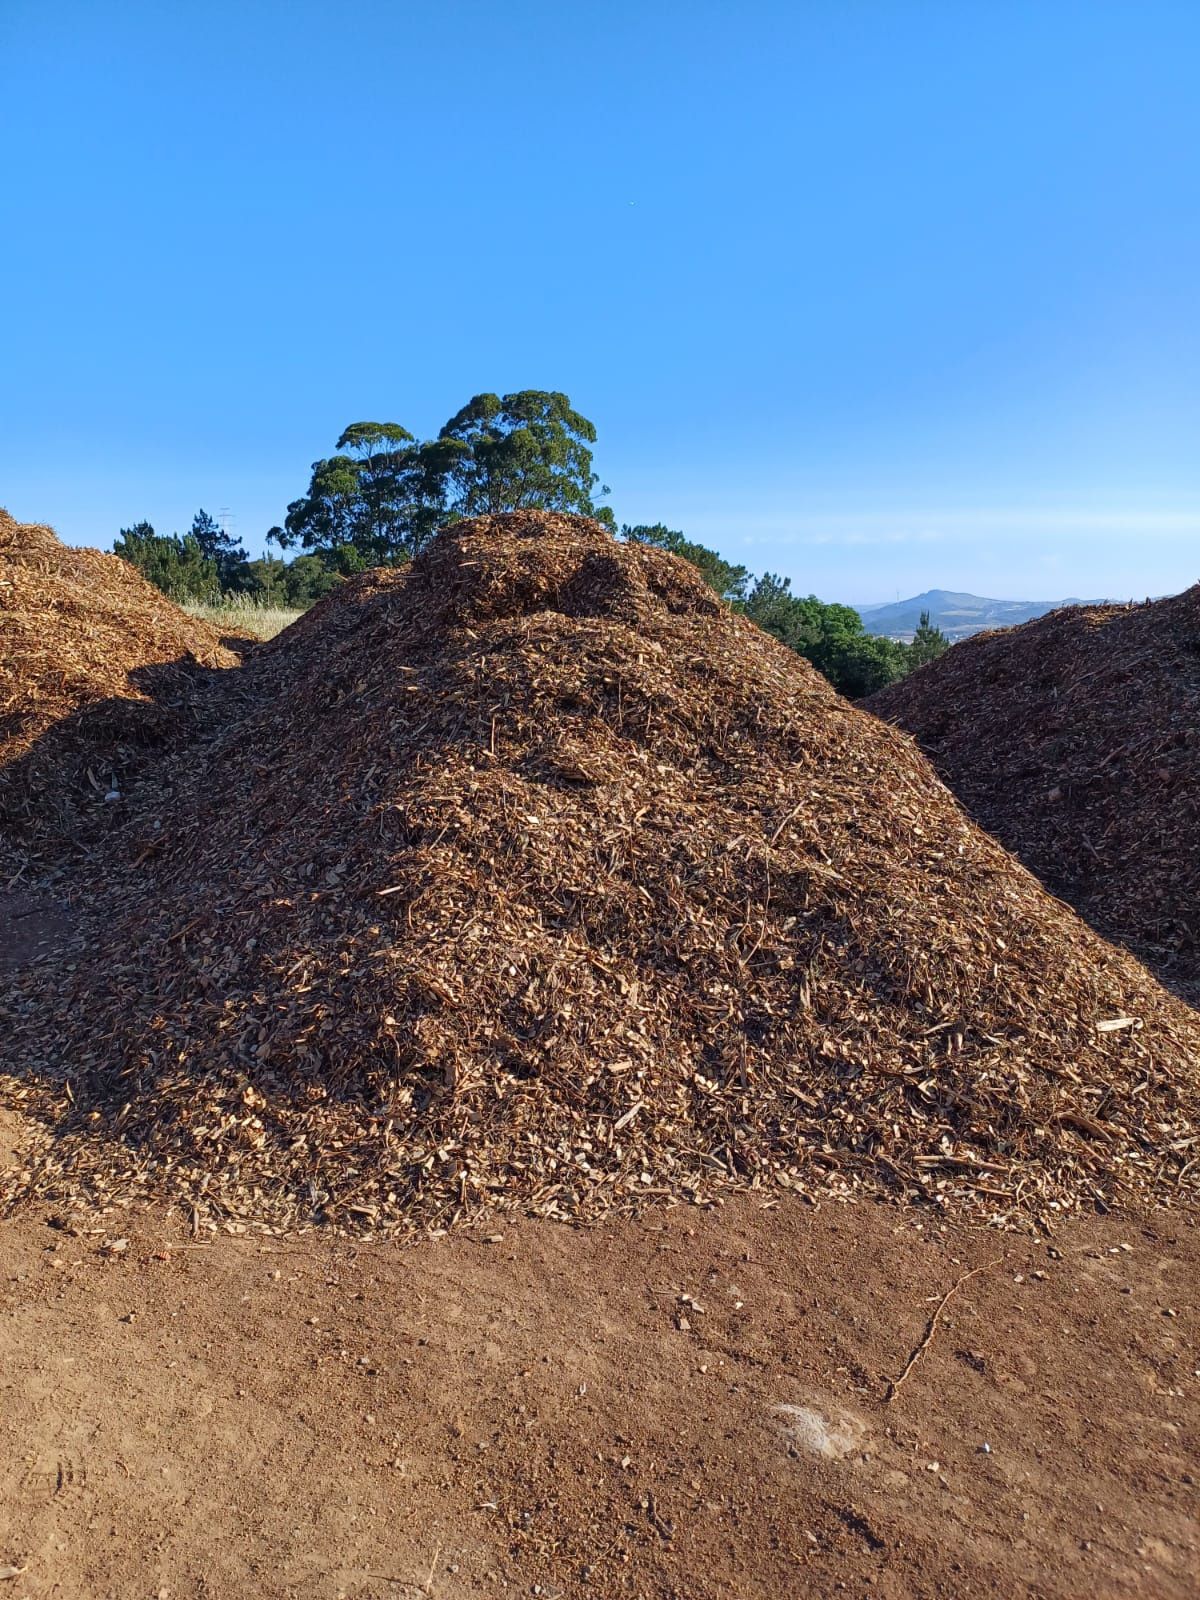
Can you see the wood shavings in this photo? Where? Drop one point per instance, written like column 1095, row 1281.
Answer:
column 665, row 918
column 97, row 670
column 1075, row 739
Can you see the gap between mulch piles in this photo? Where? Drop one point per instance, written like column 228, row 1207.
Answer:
column 1075, row 739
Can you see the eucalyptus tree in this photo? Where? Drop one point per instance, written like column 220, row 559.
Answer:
column 520, row 451
column 370, row 498
column 386, row 492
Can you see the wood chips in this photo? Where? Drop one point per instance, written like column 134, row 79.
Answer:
column 532, row 877
column 1075, row 739
column 94, row 672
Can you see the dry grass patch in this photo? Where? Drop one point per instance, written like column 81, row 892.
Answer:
column 243, row 614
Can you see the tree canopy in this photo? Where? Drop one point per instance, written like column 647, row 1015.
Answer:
column 224, row 551
column 829, row 635
column 376, row 497
column 524, row 451
column 386, row 492
column 176, row 565
column 928, row 643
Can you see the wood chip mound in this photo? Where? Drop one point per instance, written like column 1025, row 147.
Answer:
column 534, row 877
column 1075, row 739
column 94, row 670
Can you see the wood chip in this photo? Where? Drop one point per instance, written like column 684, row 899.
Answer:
column 1075, row 739
column 666, row 919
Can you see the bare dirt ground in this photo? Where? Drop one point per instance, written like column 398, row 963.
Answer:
column 683, row 1407
column 601, row 1413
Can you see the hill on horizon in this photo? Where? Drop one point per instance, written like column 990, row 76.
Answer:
column 957, row 615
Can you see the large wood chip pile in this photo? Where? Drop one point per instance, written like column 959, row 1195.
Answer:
column 533, row 877
column 1075, row 739
column 94, row 665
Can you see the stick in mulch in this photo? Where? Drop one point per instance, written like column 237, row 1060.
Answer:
column 931, row 1328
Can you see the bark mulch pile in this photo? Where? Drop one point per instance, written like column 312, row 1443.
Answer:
column 1075, row 739
column 533, row 877
column 95, row 666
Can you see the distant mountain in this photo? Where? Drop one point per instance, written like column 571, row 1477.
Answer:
column 957, row 615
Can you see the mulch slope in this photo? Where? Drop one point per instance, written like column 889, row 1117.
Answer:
column 1075, row 739
column 94, row 668
column 537, row 878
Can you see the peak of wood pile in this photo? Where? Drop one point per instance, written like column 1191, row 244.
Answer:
column 1075, row 739
column 534, row 877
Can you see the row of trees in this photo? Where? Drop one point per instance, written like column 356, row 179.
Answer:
column 384, row 493
column 831, row 636
column 207, row 564
column 834, row 639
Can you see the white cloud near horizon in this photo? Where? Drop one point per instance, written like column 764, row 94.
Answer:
column 891, row 527
column 1019, row 551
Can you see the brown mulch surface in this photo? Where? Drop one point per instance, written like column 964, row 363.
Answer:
column 96, row 669
column 534, row 878
column 1075, row 739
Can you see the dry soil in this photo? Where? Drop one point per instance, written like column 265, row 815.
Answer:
column 688, row 1405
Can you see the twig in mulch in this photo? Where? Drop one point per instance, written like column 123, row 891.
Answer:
column 931, row 1328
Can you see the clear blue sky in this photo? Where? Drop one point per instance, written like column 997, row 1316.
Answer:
column 881, row 295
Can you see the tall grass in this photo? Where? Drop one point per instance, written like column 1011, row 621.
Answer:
column 242, row 614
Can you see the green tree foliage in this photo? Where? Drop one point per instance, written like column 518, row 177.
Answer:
column 178, row 566
column 866, row 663
column 521, row 451
column 183, row 569
column 294, row 585
column 308, row 578
column 224, row 551
column 928, row 643
column 729, row 581
column 831, row 636
column 378, row 498
column 385, row 492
